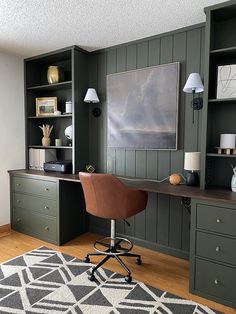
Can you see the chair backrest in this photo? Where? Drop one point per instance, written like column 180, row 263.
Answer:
column 107, row 197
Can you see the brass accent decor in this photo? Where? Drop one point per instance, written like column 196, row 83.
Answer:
column 55, row 74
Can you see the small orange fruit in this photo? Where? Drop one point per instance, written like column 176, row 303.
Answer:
column 175, row 179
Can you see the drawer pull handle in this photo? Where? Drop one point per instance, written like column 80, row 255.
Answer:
column 18, row 220
column 218, row 220
column 46, row 228
column 47, row 189
column 218, row 249
column 46, row 207
column 216, row 282
column 17, row 184
column 18, row 201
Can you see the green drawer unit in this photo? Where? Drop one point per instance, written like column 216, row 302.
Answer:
column 47, row 207
column 41, row 226
column 218, row 219
column 216, row 247
column 34, row 186
column 37, row 204
column 212, row 251
column 216, row 280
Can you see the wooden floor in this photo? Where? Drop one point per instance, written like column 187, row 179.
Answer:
column 159, row 270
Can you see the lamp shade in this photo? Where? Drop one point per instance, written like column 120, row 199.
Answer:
column 194, row 83
column 192, row 161
column 91, row 96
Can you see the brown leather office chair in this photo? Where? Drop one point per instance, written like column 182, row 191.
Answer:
column 107, row 197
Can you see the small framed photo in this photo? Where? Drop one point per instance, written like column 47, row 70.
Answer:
column 46, row 106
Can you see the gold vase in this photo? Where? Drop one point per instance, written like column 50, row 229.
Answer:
column 55, row 74
column 46, row 141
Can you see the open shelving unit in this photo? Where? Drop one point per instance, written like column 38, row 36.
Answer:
column 218, row 113
column 74, row 62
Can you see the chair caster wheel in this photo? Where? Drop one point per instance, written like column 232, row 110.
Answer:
column 138, row 261
column 86, row 260
column 91, row 277
column 128, row 279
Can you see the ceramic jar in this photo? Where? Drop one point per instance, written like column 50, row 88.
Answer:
column 55, row 74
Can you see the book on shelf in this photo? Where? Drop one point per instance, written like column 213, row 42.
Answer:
column 37, row 157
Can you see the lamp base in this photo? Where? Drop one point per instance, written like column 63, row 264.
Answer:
column 192, row 179
column 96, row 112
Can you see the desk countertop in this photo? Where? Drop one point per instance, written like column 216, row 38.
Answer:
column 220, row 195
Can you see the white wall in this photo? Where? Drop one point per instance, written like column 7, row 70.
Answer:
column 12, row 142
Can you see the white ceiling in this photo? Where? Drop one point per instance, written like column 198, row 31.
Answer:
column 31, row 27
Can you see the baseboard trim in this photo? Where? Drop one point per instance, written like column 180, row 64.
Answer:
column 5, row 230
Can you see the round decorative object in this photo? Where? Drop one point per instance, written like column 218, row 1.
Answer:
column 69, row 132
column 46, row 141
column 90, row 168
column 55, row 74
column 175, row 179
column 57, row 113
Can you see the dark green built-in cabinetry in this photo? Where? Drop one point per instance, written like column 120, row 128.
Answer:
column 213, row 254
column 74, row 62
column 218, row 114
column 46, row 207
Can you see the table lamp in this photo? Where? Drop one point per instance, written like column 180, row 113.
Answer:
column 192, row 164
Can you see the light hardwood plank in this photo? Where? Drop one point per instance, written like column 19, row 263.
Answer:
column 159, row 270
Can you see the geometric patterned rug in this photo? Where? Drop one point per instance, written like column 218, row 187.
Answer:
column 46, row 281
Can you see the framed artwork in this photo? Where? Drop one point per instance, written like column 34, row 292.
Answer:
column 46, row 106
column 142, row 108
column 226, row 81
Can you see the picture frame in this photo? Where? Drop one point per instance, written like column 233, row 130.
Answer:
column 226, row 81
column 46, row 106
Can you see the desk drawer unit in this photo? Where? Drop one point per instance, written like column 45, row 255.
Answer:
column 213, row 251
column 34, row 203
column 34, row 207
column 40, row 226
column 34, row 186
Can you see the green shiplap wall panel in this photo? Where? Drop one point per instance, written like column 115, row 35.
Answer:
column 154, row 52
column 131, row 55
column 142, row 55
column 121, row 59
column 101, row 121
column 111, row 61
column 193, row 61
column 93, row 122
column 151, row 218
column 165, row 221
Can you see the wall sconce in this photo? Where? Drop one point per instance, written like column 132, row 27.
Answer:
column 92, row 98
column 192, row 164
column 194, row 85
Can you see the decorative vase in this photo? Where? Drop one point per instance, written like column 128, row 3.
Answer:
column 55, row 74
column 233, row 180
column 46, row 141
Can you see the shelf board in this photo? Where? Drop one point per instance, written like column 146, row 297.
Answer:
column 222, row 100
column 220, row 155
column 51, row 117
column 47, row 147
column 55, row 86
column 223, row 50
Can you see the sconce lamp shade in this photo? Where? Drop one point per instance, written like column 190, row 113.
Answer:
column 193, row 84
column 192, row 161
column 91, row 96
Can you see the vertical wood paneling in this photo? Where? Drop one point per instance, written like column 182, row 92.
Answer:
column 192, row 65
column 131, row 54
column 111, row 61
column 101, row 85
column 165, row 221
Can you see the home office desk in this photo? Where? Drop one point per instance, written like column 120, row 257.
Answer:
column 51, row 206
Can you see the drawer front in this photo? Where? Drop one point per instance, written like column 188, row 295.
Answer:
column 43, row 227
column 33, row 203
column 215, row 280
column 33, row 186
column 216, row 219
column 216, row 247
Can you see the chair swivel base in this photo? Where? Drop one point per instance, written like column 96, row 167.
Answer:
column 113, row 251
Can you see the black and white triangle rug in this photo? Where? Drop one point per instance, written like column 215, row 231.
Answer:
column 46, row 281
